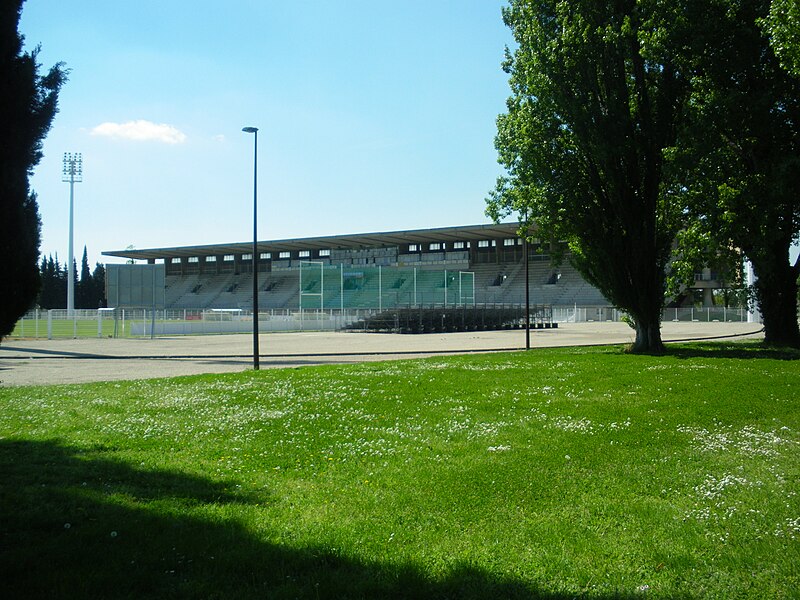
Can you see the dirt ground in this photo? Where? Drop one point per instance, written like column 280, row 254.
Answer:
column 37, row 362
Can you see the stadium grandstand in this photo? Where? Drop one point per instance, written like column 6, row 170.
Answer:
column 427, row 280
column 452, row 266
column 476, row 274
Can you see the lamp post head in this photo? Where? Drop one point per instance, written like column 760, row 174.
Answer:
column 250, row 129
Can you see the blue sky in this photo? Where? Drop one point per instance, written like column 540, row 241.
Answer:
column 373, row 116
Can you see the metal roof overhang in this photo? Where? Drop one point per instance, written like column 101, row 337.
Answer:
column 335, row 242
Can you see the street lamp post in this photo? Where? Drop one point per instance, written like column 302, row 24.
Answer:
column 527, row 296
column 526, row 257
column 254, row 131
column 72, row 173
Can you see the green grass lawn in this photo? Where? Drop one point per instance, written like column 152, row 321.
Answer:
column 66, row 328
column 556, row 473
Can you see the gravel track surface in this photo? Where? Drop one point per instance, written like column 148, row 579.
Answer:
column 38, row 362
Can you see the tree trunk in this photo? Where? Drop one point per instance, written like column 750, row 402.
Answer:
column 648, row 335
column 776, row 292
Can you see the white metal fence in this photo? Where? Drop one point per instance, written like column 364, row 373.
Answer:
column 583, row 314
column 126, row 322
column 53, row 324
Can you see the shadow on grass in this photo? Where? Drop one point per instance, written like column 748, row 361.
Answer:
column 76, row 524
column 739, row 350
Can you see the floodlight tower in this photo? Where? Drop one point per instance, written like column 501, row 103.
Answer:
column 71, row 173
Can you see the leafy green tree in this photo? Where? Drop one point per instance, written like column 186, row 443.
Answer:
column 596, row 98
column 698, row 248
column 782, row 26
column 27, row 107
column 738, row 158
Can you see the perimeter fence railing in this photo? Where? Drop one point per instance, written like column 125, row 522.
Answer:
column 710, row 314
column 147, row 323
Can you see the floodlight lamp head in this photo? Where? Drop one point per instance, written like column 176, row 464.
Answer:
column 72, row 170
column 250, row 129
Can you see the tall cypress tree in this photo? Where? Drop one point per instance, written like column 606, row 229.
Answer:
column 99, row 284
column 60, row 295
column 45, row 282
column 28, row 103
column 85, row 288
column 54, row 285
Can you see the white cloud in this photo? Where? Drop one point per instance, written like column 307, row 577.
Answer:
column 141, row 131
column 219, row 138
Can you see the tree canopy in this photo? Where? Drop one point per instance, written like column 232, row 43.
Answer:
column 636, row 123
column 596, row 99
column 28, row 103
column 738, row 155
column 782, row 26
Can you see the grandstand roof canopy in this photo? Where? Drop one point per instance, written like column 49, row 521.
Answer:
column 334, row 242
